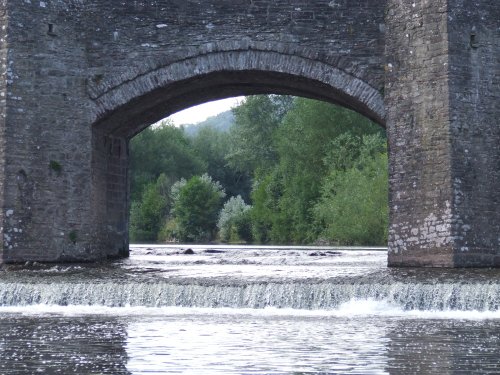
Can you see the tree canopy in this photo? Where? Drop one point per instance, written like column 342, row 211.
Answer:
column 293, row 170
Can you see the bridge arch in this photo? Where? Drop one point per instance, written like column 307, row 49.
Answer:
column 124, row 108
column 148, row 97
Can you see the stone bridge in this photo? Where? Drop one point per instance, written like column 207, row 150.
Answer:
column 81, row 77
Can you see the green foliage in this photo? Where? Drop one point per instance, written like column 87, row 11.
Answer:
column 265, row 213
column 311, row 170
column 73, row 236
column 353, row 208
column 196, row 207
column 234, row 221
column 261, row 213
column 55, row 166
column 252, row 135
column 164, row 149
column 170, row 231
column 212, row 146
column 307, row 143
column 148, row 214
column 342, row 152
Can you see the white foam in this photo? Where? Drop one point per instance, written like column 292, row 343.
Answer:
column 353, row 309
column 370, row 307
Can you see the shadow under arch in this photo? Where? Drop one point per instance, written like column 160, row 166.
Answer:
column 123, row 108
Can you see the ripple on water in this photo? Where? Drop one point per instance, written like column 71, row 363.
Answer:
column 398, row 331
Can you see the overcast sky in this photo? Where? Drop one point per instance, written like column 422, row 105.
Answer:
column 201, row 112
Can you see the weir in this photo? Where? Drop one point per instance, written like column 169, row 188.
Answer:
column 256, row 310
column 446, row 296
column 251, row 279
column 79, row 79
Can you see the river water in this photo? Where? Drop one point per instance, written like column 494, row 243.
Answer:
column 254, row 310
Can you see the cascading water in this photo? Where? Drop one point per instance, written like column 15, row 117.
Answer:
column 326, row 295
column 331, row 310
column 289, row 278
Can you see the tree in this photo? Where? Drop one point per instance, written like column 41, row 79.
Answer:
column 212, row 146
column 252, row 135
column 234, row 221
column 196, row 207
column 265, row 212
column 148, row 214
column 308, row 136
column 353, row 208
column 164, row 149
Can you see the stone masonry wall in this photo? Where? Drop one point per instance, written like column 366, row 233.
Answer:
column 80, row 78
column 3, row 109
column 46, row 177
column 443, row 88
column 136, row 48
column 417, row 104
column 474, row 46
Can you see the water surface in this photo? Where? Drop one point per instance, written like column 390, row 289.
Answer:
column 224, row 310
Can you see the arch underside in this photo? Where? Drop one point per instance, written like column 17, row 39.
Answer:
column 127, row 108
column 124, row 106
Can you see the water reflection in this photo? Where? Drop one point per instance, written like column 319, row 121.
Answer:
column 201, row 342
column 57, row 345
column 233, row 344
column 444, row 347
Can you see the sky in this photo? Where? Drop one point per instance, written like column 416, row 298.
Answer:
column 201, row 112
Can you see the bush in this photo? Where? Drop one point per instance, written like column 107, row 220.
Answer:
column 196, row 207
column 147, row 215
column 353, row 208
column 170, row 231
column 265, row 197
column 234, row 221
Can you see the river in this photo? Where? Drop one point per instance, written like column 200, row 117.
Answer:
column 248, row 310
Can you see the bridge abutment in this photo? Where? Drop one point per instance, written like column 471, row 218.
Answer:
column 474, row 61
column 441, row 92
column 49, row 208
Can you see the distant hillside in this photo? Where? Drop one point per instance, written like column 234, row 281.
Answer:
column 222, row 122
